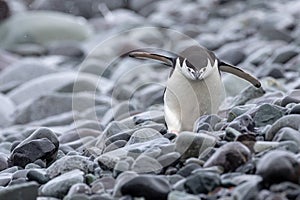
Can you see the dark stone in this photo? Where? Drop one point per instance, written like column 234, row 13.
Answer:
column 287, row 134
column 271, row 33
column 291, row 190
column 4, row 10
column 278, row 166
column 32, row 151
column 230, row 156
column 3, row 162
column 243, row 123
column 292, row 121
column 28, row 191
column 287, row 100
column 202, row 182
column 149, row 187
column 295, row 109
column 210, row 120
column 35, row 175
column 170, row 136
column 187, row 170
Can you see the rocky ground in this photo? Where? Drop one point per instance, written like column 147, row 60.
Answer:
column 79, row 120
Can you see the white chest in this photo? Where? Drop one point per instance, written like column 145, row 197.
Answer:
column 186, row 100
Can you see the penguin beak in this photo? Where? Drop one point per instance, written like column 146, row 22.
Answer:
column 197, row 75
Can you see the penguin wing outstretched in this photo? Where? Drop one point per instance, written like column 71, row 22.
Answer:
column 225, row 67
column 166, row 57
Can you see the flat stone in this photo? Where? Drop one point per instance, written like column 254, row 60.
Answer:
column 267, row 114
column 68, row 163
column 59, row 186
column 292, row 121
column 190, row 144
column 202, row 183
column 149, row 187
column 28, row 190
column 144, row 135
column 145, row 164
column 177, row 195
column 64, row 81
column 68, row 27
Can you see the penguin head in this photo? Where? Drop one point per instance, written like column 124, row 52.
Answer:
column 195, row 63
column 194, row 73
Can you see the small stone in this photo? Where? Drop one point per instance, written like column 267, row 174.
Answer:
column 5, row 178
column 149, row 187
column 211, row 120
column 239, row 110
column 286, row 134
column 247, row 94
column 292, row 121
column 115, row 145
column 68, row 163
column 190, row 144
column 187, row 169
column 38, row 176
column 59, row 186
column 243, row 123
column 230, row 156
column 177, row 195
column 202, row 183
column 121, row 180
column 271, row 33
column 143, row 135
column 284, row 54
column 267, row 114
column 145, row 164
column 78, row 188
column 41, row 144
column 120, row 167
column 35, row 149
column 168, row 159
column 28, row 190
column 278, row 166
column 5, row 11
column 108, row 182
column 3, row 162
column 247, row 190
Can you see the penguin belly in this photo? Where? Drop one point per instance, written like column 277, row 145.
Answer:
column 186, row 100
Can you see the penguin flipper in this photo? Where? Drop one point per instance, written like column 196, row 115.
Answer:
column 145, row 55
column 225, row 67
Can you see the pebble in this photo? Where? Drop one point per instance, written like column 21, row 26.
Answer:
column 278, row 166
column 146, row 164
column 147, row 186
column 106, row 136
column 41, row 144
column 69, row 28
column 292, row 121
column 59, row 186
column 230, row 156
column 177, row 195
column 28, row 190
column 190, row 144
column 69, row 163
column 202, row 183
column 267, row 114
